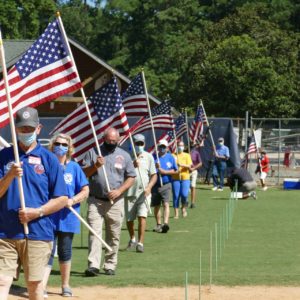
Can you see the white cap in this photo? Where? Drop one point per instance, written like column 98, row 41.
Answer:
column 163, row 142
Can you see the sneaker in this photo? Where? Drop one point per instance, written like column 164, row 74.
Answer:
column 131, row 246
column 110, row 272
column 165, row 228
column 193, row 205
column 214, row 188
column 45, row 294
column 139, row 248
column 158, row 228
column 91, row 272
column 66, row 292
column 184, row 214
column 253, row 195
column 220, row 190
column 264, row 188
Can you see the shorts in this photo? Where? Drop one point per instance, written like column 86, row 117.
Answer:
column 161, row 194
column 263, row 175
column 33, row 256
column 194, row 176
column 136, row 207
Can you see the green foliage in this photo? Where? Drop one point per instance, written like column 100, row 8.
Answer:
column 237, row 55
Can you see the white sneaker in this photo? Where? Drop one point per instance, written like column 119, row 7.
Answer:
column 264, row 188
column 220, row 190
column 214, row 188
column 45, row 294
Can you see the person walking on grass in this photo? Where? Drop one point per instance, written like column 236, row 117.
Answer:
column 263, row 168
column 197, row 164
column 107, row 206
column 44, row 193
column 220, row 165
column 136, row 197
column 166, row 166
column 181, row 180
column 65, row 222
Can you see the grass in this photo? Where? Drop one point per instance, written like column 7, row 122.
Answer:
column 262, row 248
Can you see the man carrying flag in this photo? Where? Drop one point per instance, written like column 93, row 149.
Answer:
column 45, row 193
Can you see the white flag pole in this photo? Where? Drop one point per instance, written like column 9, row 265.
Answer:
column 140, row 174
column 187, row 130
column 210, row 134
column 84, row 98
column 12, row 128
column 151, row 121
column 89, row 228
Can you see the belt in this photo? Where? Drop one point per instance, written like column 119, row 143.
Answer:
column 103, row 199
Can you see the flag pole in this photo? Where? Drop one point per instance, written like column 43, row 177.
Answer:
column 84, row 98
column 210, row 134
column 187, row 130
column 140, row 174
column 151, row 121
column 258, row 156
column 12, row 128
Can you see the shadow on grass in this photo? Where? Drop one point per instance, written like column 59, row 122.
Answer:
column 19, row 291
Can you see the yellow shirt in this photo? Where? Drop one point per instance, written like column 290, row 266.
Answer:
column 184, row 159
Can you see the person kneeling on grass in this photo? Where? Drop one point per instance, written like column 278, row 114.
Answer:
column 136, row 197
column 245, row 183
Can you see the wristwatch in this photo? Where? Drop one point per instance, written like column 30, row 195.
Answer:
column 41, row 211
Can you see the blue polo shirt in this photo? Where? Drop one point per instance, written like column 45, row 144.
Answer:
column 167, row 162
column 64, row 220
column 42, row 180
column 223, row 150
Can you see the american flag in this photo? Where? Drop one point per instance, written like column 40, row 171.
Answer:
column 161, row 117
column 106, row 110
column 43, row 73
column 196, row 129
column 134, row 98
column 252, row 148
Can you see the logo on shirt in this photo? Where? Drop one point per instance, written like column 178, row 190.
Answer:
column 169, row 165
column 68, row 178
column 39, row 169
column 119, row 162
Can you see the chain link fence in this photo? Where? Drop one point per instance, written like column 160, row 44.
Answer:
column 280, row 138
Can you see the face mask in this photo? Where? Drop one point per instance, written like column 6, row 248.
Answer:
column 139, row 149
column 60, row 150
column 221, row 143
column 27, row 138
column 162, row 150
column 110, row 147
column 180, row 149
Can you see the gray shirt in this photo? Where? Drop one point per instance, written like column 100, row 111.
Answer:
column 118, row 167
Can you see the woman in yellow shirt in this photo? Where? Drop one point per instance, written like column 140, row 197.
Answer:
column 181, row 180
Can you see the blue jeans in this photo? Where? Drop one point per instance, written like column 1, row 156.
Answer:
column 219, row 169
column 64, row 247
column 180, row 190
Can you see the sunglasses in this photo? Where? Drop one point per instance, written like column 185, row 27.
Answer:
column 62, row 144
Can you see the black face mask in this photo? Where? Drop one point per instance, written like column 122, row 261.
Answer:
column 110, row 147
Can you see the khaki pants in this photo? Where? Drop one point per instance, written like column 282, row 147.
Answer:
column 112, row 215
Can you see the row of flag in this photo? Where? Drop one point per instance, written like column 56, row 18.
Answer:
column 47, row 71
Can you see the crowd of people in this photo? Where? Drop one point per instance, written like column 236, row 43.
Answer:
column 115, row 184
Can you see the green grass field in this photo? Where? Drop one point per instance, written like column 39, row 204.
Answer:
column 262, row 248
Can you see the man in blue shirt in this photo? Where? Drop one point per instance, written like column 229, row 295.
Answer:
column 220, row 165
column 44, row 192
column 166, row 166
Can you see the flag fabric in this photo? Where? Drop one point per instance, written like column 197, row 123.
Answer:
column 196, row 129
column 252, row 148
column 106, row 110
column 180, row 129
column 134, row 98
column 161, row 118
column 42, row 74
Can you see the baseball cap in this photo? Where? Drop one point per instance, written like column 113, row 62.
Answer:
column 27, row 116
column 139, row 138
column 163, row 143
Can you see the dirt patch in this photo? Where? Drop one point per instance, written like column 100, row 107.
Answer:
column 174, row 293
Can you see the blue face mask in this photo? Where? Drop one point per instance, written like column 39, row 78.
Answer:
column 27, row 138
column 162, row 149
column 180, row 149
column 139, row 149
column 60, row 150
